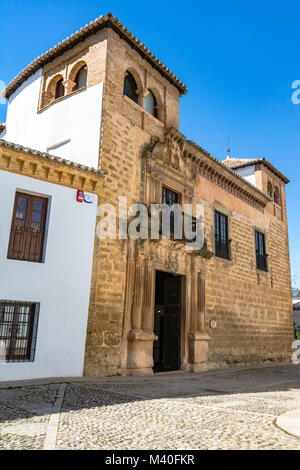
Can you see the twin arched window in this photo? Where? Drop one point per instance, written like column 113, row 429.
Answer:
column 56, row 88
column 130, row 90
column 275, row 195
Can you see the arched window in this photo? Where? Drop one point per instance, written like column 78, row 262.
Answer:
column 151, row 104
column 130, row 87
column 277, row 196
column 59, row 89
column 80, row 78
column 270, row 190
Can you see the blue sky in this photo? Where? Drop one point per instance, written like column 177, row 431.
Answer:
column 238, row 59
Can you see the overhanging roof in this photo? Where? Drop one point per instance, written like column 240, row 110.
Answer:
column 235, row 163
column 108, row 21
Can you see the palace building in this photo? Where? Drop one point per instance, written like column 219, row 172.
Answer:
column 99, row 113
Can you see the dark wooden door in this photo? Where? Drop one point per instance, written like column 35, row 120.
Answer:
column 167, row 315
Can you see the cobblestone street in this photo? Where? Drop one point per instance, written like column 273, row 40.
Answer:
column 226, row 409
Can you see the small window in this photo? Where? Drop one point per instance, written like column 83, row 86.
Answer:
column 28, row 228
column 130, row 87
column 270, row 190
column 261, row 256
column 151, row 104
column 59, row 89
column 170, row 197
column 276, row 196
column 222, row 242
column 81, row 78
column 18, row 331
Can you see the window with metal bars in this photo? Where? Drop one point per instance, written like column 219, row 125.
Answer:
column 18, row 330
column 222, row 242
column 261, row 255
column 27, row 233
column 170, row 197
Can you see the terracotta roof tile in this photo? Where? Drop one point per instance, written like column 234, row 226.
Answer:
column 48, row 156
column 230, row 170
column 235, row 163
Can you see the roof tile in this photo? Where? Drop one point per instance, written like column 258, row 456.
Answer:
column 99, row 23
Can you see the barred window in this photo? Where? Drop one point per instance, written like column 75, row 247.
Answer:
column 222, row 242
column 170, row 197
column 28, row 228
column 261, row 256
column 18, row 330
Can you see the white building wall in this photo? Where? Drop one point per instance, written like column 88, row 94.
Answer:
column 248, row 173
column 74, row 121
column 61, row 284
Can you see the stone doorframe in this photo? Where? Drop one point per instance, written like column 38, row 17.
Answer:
column 144, row 258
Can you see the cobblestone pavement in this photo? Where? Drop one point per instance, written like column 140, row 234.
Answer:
column 228, row 409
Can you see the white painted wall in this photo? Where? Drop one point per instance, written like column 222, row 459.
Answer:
column 248, row 173
column 76, row 118
column 61, row 284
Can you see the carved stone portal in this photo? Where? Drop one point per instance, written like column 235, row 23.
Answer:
column 141, row 337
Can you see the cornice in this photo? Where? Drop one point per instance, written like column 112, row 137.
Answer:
column 52, row 170
column 211, row 168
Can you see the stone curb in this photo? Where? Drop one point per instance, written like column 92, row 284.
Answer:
column 168, row 376
column 51, row 434
column 290, row 422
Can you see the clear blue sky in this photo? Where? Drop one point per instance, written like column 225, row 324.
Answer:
column 238, row 59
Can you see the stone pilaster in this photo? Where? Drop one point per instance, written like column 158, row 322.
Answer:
column 69, row 85
column 47, row 97
column 141, row 336
column 198, row 338
column 142, row 93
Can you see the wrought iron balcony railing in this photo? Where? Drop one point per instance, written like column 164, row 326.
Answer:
column 222, row 248
column 261, row 261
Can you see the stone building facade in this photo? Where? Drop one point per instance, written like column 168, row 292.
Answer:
column 153, row 302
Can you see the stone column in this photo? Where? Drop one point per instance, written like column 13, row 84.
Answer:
column 141, row 336
column 198, row 338
column 201, row 302
column 69, row 85
column 142, row 93
column 148, row 307
column 136, row 317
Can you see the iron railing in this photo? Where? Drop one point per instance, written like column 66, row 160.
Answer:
column 26, row 244
column 18, row 331
column 222, row 248
column 261, row 261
